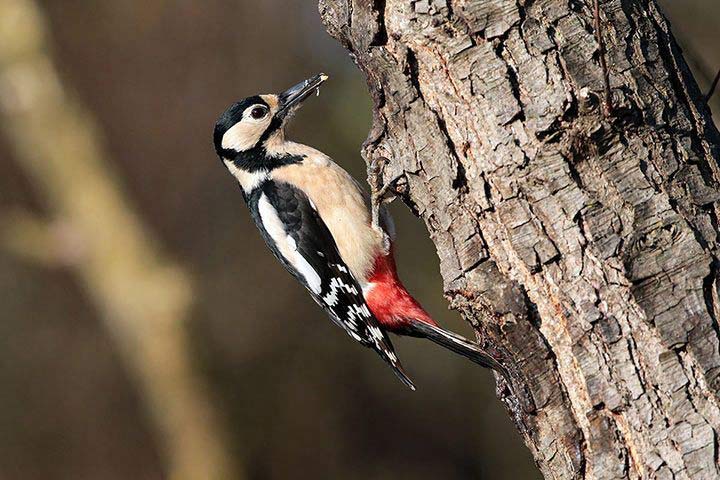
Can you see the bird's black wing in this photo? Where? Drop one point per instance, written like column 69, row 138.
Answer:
column 300, row 239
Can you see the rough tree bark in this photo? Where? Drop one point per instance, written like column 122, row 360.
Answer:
column 584, row 245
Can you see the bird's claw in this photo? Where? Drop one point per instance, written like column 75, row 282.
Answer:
column 380, row 193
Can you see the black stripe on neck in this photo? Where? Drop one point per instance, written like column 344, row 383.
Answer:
column 257, row 158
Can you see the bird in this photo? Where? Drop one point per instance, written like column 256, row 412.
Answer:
column 316, row 220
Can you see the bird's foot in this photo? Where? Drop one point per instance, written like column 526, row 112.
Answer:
column 380, row 193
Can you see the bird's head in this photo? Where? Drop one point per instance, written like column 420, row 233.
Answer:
column 248, row 127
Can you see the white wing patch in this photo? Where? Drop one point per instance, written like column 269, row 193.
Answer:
column 286, row 245
column 336, row 286
column 311, row 276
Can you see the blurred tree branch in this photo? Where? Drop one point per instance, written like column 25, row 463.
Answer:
column 143, row 297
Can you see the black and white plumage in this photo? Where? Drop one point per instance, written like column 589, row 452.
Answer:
column 272, row 173
column 314, row 217
column 298, row 237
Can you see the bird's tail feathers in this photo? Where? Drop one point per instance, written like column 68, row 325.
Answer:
column 400, row 373
column 475, row 353
column 457, row 344
column 386, row 351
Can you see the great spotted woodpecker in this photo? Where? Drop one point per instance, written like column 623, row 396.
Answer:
column 314, row 217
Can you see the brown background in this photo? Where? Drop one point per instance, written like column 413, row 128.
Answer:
column 299, row 398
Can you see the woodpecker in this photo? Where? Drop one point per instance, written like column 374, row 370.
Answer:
column 315, row 219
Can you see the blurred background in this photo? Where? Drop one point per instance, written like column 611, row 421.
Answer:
column 145, row 331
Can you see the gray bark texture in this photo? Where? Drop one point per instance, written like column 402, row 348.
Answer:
column 582, row 246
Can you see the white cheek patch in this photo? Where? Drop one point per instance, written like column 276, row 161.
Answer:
column 248, row 180
column 243, row 135
column 286, row 244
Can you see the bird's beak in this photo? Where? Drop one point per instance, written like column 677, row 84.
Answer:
column 293, row 97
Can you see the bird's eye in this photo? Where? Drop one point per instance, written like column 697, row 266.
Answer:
column 258, row 112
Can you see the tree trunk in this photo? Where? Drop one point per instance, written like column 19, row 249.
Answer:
column 582, row 242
